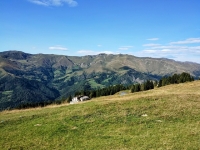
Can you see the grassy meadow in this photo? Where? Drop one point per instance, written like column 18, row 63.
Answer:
column 163, row 118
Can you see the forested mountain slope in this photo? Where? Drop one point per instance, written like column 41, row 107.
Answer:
column 44, row 77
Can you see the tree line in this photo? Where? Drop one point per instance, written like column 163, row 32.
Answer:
column 147, row 85
column 175, row 79
column 111, row 90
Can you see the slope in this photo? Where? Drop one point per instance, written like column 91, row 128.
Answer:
column 163, row 118
column 60, row 76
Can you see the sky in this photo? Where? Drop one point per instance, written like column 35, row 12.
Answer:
column 143, row 28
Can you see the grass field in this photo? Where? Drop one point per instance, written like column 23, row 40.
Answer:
column 163, row 118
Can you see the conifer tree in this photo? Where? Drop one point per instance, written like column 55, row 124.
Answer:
column 69, row 98
column 137, row 88
column 160, row 83
column 133, row 89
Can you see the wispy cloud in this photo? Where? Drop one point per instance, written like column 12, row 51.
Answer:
column 149, row 51
column 99, row 45
column 173, row 50
column 125, row 47
column 58, row 48
column 151, row 45
column 166, row 50
column 39, row 2
column 91, row 52
column 187, row 41
column 71, row 3
column 87, row 52
column 153, row 39
column 107, row 52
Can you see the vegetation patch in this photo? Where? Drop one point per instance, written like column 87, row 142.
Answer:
column 94, row 85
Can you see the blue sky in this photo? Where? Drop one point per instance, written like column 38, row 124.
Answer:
column 144, row 28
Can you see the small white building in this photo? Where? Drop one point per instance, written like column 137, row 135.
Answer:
column 79, row 99
column 84, row 98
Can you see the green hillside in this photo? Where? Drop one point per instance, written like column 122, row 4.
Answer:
column 45, row 78
column 163, row 118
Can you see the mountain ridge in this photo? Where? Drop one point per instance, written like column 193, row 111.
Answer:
column 63, row 75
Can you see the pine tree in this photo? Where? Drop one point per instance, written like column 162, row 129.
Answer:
column 160, row 83
column 151, row 85
column 133, row 89
column 144, row 85
column 69, row 99
column 137, row 88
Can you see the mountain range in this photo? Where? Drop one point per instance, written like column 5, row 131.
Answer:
column 34, row 78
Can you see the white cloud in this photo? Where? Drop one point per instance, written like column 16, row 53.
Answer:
column 175, row 55
column 128, row 46
column 71, row 3
column 176, row 51
column 151, row 45
column 58, row 48
column 91, row 52
column 153, row 39
column 87, row 52
column 150, row 51
column 187, row 41
column 99, row 45
column 166, row 50
column 39, row 2
column 125, row 47
column 106, row 52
